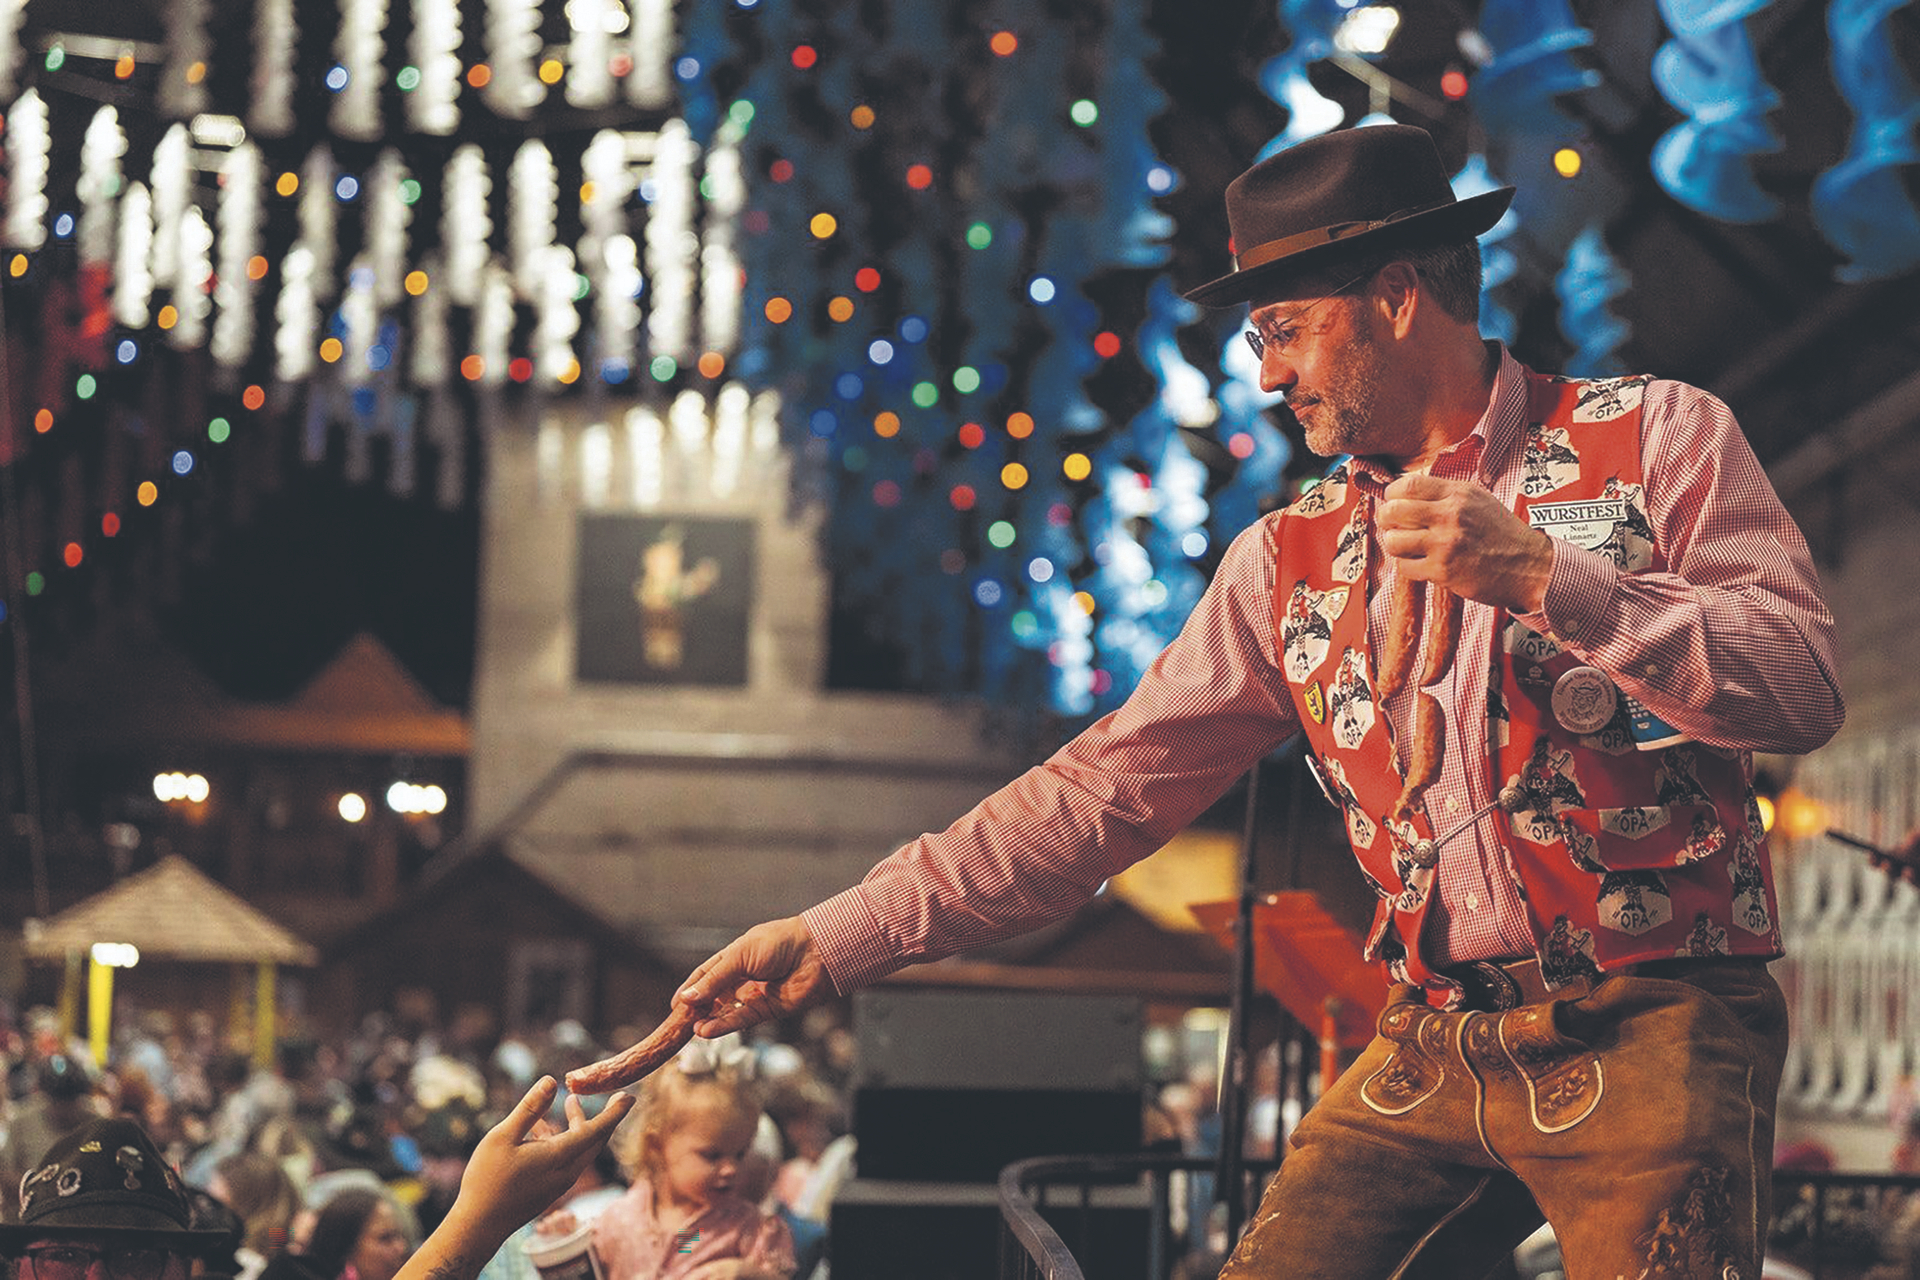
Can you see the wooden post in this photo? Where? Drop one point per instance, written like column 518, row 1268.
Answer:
column 69, row 1011
column 99, row 1009
column 264, row 1015
column 1329, row 1044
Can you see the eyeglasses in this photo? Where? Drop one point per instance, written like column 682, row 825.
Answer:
column 71, row 1262
column 1280, row 334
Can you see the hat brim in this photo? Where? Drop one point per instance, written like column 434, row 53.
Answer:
column 1459, row 220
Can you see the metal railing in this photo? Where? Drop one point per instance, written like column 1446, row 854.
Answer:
column 1836, row 1226
column 1840, row 1225
column 1032, row 1219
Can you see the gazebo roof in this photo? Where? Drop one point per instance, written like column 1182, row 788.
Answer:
column 171, row 911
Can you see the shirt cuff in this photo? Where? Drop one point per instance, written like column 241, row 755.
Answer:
column 850, row 940
column 1578, row 604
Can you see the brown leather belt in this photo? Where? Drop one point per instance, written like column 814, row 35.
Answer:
column 1495, row 985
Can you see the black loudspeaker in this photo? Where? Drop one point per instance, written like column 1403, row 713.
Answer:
column 953, row 1086
column 951, row 1231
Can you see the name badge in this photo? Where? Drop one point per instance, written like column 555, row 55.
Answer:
column 1587, row 524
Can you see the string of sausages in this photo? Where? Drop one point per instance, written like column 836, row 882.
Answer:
column 1408, row 599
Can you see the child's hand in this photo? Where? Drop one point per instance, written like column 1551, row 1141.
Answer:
column 733, row 1269
column 557, row 1223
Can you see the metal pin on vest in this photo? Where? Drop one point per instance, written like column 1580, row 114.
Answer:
column 1426, row 853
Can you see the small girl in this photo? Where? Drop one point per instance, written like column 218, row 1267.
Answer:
column 685, row 1217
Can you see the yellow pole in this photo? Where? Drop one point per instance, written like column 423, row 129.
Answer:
column 99, row 1009
column 69, row 1011
column 263, row 1015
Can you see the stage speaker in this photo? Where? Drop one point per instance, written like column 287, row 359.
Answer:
column 953, row 1086
column 951, row 1231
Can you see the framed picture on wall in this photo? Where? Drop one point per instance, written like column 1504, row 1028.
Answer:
column 663, row 600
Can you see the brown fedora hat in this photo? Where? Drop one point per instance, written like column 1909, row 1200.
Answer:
column 1372, row 187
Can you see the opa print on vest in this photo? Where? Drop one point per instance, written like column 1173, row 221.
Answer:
column 1632, row 842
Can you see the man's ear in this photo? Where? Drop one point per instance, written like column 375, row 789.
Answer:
column 1398, row 293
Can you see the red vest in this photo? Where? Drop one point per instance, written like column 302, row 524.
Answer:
column 1630, row 843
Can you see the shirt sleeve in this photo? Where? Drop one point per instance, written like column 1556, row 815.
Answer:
column 1212, row 704
column 1733, row 644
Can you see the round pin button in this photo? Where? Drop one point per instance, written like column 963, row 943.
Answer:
column 1584, row 700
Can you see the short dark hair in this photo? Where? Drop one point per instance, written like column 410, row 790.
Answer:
column 1450, row 272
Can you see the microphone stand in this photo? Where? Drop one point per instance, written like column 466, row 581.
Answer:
column 1237, row 1077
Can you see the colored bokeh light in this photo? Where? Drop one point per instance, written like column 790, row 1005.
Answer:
column 1020, row 425
column 1001, row 534
column 886, row 494
column 1076, row 466
column 823, row 225
column 1454, row 83
column 1566, row 162
column 520, row 369
column 805, row 56
column 1085, row 113
column 479, row 75
column 919, row 177
column 926, row 394
column 331, row 350
column 966, row 380
column 417, row 282
column 1004, row 43
column 781, row 170
column 972, row 435
column 551, row 71
column 1106, row 345
column 1014, row 476
column 866, row 279
column 1240, row 445
column 861, row 117
column 168, row 316
column 886, row 424
column 711, row 364
column 17, row 267
column 43, row 421
column 73, row 554
column 254, row 396
column 286, row 184
column 147, row 494
column 472, row 367
column 840, row 309
column 979, row 236
column 962, row 497
column 110, row 524
column 779, row 310
column 257, row 267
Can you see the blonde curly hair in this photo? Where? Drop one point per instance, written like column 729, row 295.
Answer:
column 665, row 1097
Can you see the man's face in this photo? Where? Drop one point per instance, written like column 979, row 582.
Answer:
column 98, row 1258
column 1322, row 353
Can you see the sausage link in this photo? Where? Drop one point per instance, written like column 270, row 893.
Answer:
column 639, row 1062
column 1423, row 762
column 1443, row 633
column 1396, row 652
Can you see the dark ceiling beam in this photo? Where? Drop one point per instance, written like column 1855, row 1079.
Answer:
column 1869, row 430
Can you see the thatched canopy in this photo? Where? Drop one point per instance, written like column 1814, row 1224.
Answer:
column 171, row 911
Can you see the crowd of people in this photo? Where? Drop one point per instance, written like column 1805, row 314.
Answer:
column 337, row 1160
